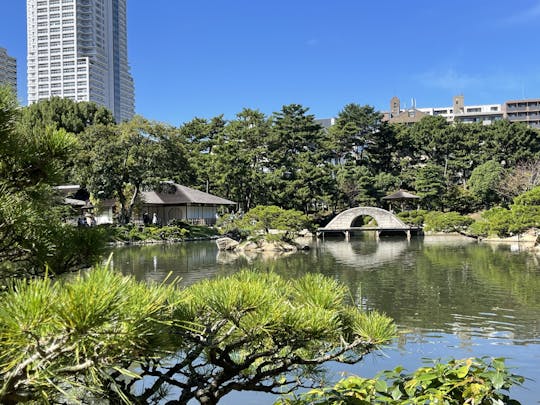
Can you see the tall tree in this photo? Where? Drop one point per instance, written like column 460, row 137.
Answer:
column 240, row 158
column 510, row 142
column 63, row 113
column 32, row 230
column 117, row 161
column 296, row 157
column 431, row 185
column 356, row 127
column 202, row 136
column 484, row 181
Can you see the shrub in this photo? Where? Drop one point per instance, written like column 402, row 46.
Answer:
column 263, row 218
column 414, row 218
column 504, row 222
column 446, row 222
column 468, row 381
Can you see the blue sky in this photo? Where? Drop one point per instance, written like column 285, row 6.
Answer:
column 203, row 58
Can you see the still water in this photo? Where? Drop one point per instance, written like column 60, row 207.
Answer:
column 450, row 297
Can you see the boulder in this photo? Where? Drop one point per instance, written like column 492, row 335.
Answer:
column 305, row 233
column 226, row 244
column 263, row 245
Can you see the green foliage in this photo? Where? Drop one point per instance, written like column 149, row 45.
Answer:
column 468, row 381
column 446, row 222
column 431, row 185
column 522, row 215
column 32, row 232
column 484, row 180
column 529, row 198
column 117, row 161
column 355, row 129
column 57, row 337
column 264, row 332
column 264, row 218
column 355, row 185
column 414, row 217
column 134, row 233
column 75, row 340
column 81, row 247
column 63, row 113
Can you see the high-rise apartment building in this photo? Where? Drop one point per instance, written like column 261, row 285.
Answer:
column 77, row 49
column 8, row 69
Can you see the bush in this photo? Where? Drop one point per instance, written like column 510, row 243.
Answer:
column 81, row 247
column 414, row 218
column 134, row 233
column 469, row 381
column 504, row 222
column 262, row 219
column 446, row 222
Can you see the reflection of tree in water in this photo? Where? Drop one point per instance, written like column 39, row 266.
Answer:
column 467, row 290
column 460, row 288
column 190, row 262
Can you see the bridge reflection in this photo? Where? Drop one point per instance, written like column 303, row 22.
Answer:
column 365, row 255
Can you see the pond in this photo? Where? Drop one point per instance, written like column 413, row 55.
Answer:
column 449, row 296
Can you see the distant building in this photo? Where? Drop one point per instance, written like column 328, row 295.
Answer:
column 458, row 112
column 526, row 111
column 397, row 115
column 8, row 69
column 326, row 122
column 77, row 49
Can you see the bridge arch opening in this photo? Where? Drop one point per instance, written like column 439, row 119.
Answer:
column 363, row 221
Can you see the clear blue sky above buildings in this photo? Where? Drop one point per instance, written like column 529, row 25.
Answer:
column 208, row 57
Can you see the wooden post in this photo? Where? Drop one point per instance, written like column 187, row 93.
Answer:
column 409, row 235
column 347, row 236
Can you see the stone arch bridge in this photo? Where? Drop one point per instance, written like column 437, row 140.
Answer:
column 386, row 222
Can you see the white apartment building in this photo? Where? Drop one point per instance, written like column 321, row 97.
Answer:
column 459, row 112
column 8, row 69
column 77, row 49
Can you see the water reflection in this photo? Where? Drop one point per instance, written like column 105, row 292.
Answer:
column 449, row 297
column 365, row 255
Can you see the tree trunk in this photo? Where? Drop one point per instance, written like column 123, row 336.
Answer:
column 129, row 212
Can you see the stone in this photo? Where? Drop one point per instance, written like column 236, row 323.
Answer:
column 226, row 244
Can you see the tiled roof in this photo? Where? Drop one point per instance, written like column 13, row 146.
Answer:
column 178, row 194
column 400, row 195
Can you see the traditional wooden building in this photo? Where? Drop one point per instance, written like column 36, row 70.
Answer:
column 169, row 202
column 174, row 201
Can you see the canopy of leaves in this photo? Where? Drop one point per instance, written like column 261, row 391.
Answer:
column 484, row 181
column 32, row 230
column 77, row 340
column 117, row 161
column 68, row 339
column 63, row 113
column 264, row 218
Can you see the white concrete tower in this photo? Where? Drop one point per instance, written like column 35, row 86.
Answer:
column 77, row 49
